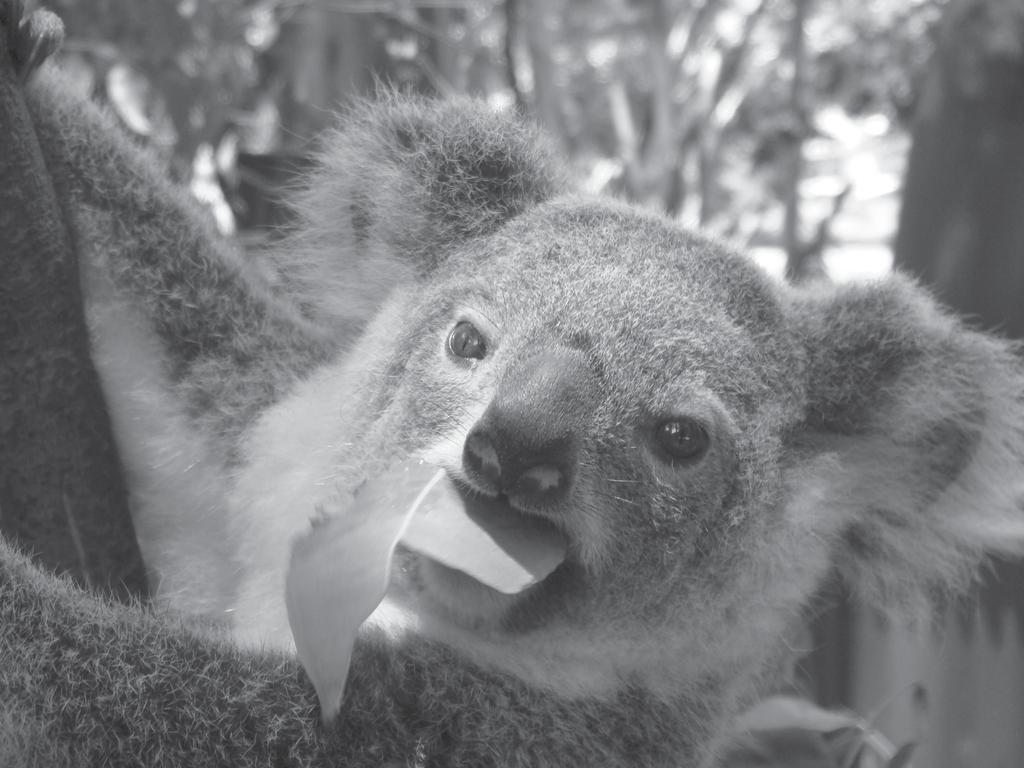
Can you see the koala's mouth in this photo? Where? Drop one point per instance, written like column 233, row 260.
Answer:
column 471, row 541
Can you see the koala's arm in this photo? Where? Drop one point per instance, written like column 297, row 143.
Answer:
column 204, row 301
column 87, row 682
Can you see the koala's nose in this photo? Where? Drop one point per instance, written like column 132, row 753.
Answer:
column 526, row 444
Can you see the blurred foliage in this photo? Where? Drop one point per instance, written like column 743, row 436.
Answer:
column 786, row 732
column 699, row 107
column 176, row 72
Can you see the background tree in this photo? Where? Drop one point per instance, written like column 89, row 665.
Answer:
column 961, row 229
column 707, row 109
column 961, row 225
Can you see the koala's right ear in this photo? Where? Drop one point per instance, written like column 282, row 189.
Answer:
column 911, row 460
column 401, row 182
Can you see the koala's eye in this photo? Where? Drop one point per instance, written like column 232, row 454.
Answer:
column 682, row 440
column 467, row 342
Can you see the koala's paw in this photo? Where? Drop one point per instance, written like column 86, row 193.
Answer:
column 28, row 38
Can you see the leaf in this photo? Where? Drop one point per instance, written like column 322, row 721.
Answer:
column 339, row 574
column 339, row 571
column 484, row 538
column 790, row 711
column 902, row 757
column 846, row 745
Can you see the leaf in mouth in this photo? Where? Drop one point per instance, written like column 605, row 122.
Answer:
column 339, row 570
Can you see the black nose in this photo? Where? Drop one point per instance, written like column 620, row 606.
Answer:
column 540, row 473
column 527, row 442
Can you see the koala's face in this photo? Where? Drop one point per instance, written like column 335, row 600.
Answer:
column 617, row 392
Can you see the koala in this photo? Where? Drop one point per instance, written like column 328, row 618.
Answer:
column 710, row 444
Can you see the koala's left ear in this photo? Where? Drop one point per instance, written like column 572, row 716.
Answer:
column 913, row 446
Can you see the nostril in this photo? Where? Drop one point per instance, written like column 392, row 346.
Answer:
column 542, row 480
column 481, row 457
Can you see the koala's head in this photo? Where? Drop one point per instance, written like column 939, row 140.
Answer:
column 709, row 443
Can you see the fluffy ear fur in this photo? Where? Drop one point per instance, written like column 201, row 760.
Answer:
column 400, row 183
column 915, row 438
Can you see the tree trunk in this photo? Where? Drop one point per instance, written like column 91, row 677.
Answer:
column 962, row 223
column 324, row 58
column 62, row 496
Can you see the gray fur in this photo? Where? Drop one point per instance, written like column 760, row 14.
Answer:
column 860, row 427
